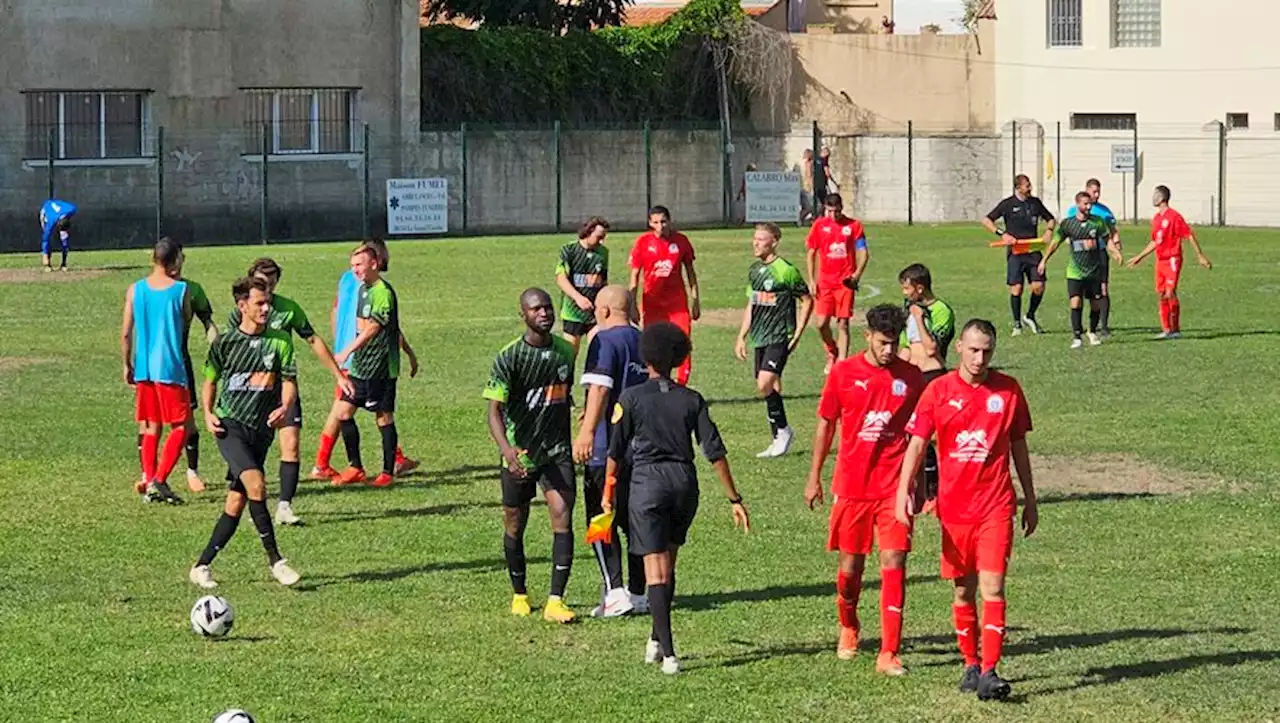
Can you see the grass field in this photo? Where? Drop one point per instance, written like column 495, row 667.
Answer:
column 1149, row 592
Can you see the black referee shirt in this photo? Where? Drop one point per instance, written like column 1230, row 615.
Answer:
column 655, row 420
column 1021, row 216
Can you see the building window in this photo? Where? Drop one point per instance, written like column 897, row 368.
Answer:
column 300, row 120
column 87, row 124
column 1135, row 23
column 1277, row 121
column 1065, row 19
column 1103, row 121
column 1237, row 121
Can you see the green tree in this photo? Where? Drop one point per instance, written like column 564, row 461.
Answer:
column 554, row 16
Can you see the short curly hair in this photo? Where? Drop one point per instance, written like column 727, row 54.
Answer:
column 664, row 346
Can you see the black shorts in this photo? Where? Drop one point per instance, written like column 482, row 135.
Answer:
column 772, row 358
column 1087, row 288
column 660, row 510
column 1106, row 269
column 593, row 493
column 578, row 328
column 1024, row 266
column 372, row 395
column 558, row 476
column 244, row 448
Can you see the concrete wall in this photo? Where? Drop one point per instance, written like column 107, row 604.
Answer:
column 849, row 16
column 195, row 57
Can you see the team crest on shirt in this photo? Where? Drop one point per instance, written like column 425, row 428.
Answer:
column 617, row 413
column 674, row 248
column 1164, row 223
column 899, row 388
column 255, row 343
column 563, row 372
column 847, row 230
column 768, row 284
column 269, row 359
column 277, row 323
column 995, row 404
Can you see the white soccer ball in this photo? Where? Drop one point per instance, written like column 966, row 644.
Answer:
column 212, row 617
column 235, row 715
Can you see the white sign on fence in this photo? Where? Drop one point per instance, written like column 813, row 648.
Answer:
column 417, row 205
column 772, row 196
column 1123, row 158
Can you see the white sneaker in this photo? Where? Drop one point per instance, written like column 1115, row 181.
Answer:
column 785, row 437
column 202, row 576
column 639, row 604
column 1017, row 331
column 652, row 651
column 284, row 574
column 285, row 515
column 615, row 604
column 770, row 451
column 1161, row 336
column 1031, row 325
column 1094, row 340
column 670, row 665
column 1076, row 343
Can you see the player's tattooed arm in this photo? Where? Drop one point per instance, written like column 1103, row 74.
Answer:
column 633, row 285
column 1022, row 464
column 695, row 296
column 126, row 337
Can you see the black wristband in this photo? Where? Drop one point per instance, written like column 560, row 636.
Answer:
column 737, row 501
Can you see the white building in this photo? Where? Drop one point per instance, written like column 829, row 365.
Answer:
column 1182, row 72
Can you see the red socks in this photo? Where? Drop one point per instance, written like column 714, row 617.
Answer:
column 1175, row 314
column 174, row 445
column 399, row 454
column 1164, row 315
column 848, row 588
column 966, row 619
column 325, row 454
column 150, row 445
column 893, row 596
column 992, row 633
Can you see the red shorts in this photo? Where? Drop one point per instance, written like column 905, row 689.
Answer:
column 969, row 548
column 161, row 403
column 855, row 522
column 1167, row 273
column 337, row 390
column 835, row 301
column 680, row 317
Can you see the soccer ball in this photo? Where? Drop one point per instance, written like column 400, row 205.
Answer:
column 212, row 617
column 235, row 715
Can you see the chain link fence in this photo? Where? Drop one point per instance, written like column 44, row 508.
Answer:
column 256, row 185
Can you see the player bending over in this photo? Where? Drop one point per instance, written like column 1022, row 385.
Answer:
column 55, row 220
column 583, row 270
column 1168, row 229
column 1022, row 214
column 870, row 396
column 613, row 366
column 157, row 312
column 663, row 257
column 981, row 420
column 652, row 424
column 375, row 368
column 529, row 400
column 836, row 259
column 1088, row 237
column 770, row 327
column 287, row 317
column 930, row 329
column 342, row 323
column 258, row 376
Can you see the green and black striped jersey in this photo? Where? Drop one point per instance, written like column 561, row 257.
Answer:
column 939, row 324
column 251, row 369
column 379, row 358
column 1087, row 242
column 533, row 383
column 588, row 271
column 285, row 316
column 773, row 289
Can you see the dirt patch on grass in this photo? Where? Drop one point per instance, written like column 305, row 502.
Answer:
column 1116, row 475
column 732, row 319
column 14, row 363
column 37, row 276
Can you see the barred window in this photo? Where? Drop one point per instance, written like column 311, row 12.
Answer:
column 1237, row 121
column 1103, row 121
column 1135, row 23
column 87, row 124
column 300, row 120
column 1065, row 20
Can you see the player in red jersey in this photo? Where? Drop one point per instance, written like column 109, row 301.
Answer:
column 664, row 256
column 1168, row 229
column 981, row 420
column 871, row 396
column 837, row 257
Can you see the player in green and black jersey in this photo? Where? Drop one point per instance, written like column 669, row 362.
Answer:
column 289, row 318
column 1088, row 237
column 375, row 367
column 529, row 400
column 250, row 380
column 582, row 271
column 769, row 326
column 931, row 327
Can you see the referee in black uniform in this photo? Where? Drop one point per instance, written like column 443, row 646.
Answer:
column 653, row 422
column 1022, row 214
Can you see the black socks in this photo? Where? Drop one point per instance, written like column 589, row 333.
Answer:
column 223, row 529
column 390, row 439
column 266, row 532
column 288, row 481
column 660, row 609
column 777, row 412
column 351, row 440
column 561, row 562
column 514, row 550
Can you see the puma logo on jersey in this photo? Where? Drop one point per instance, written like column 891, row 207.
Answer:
column 971, row 446
column 956, row 403
column 874, row 426
column 861, row 384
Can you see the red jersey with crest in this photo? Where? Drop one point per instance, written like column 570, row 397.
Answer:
column 836, row 242
column 661, row 262
column 1168, row 229
column 975, row 426
column 872, row 405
